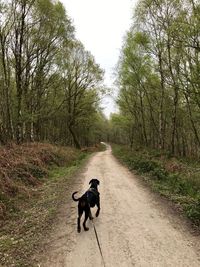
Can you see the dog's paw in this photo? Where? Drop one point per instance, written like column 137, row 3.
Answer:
column 86, row 228
column 91, row 218
column 97, row 214
column 79, row 230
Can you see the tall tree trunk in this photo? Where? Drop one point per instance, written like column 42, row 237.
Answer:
column 176, row 96
column 143, row 120
column 161, row 114
column 174, row 121
column 19, row 42
column 75, row 139
column 192, row 121
column 6, row 88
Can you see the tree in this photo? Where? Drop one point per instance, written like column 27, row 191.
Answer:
column 47, row 78
column 81, row 79
column 158, row 75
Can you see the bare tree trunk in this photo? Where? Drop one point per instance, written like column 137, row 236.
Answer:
column 6, row 87
column 18, row 52
column 192, row 121
column 174, row 121
column 75, row 139
column 143, row 120
column 161, row 115
column 176, row 96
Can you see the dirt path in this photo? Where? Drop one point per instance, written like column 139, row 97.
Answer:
column 134, row 229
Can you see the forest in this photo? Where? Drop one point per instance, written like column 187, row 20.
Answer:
column 50, row 86
column 54, row 133
column 158, row 76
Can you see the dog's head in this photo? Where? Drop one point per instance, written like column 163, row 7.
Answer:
column 94, row 183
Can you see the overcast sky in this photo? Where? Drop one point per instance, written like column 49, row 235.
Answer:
column 100, row 25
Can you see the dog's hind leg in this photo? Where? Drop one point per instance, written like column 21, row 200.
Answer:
column 80, row 212
column 90, row 215
column 87, row 213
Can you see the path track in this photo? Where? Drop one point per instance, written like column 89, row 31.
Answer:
column 134, row 227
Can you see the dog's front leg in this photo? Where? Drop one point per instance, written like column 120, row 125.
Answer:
column 98, row 209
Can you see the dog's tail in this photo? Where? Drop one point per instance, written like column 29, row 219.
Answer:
column 75, row 199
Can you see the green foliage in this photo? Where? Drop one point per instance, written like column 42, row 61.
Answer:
column 50, row 85
column 176, row 185
column 193, row 210
column 158, row 78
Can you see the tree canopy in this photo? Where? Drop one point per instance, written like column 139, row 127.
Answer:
column 50, row 86
column 158, row 76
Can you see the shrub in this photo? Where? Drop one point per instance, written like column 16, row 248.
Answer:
column 176, row 179
column 193, row 211
column 159, row 173
column 23, row 167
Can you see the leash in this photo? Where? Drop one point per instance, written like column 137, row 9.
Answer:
column 98, row 244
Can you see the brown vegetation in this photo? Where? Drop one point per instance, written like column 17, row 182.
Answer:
column 34, row 181
column 23, row 168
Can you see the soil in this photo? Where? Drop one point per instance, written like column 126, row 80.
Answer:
column 134, row 227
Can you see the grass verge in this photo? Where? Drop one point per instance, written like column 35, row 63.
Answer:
column 28, row 216
column 176, row 179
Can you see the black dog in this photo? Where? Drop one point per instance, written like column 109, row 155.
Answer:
column 87, row 201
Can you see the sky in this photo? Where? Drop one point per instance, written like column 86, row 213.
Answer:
column 101, row 25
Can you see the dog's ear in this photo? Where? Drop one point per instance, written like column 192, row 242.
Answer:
column 91, row 181
column 98, row 182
